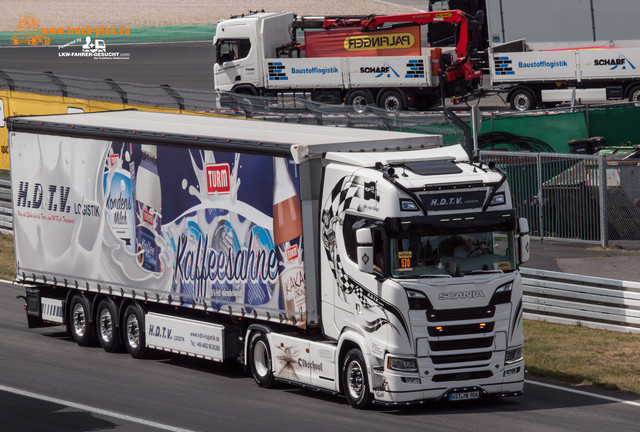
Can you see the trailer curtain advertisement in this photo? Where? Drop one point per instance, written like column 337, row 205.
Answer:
column 213, row 228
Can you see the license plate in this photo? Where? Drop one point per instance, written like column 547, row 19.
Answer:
column 462, row 396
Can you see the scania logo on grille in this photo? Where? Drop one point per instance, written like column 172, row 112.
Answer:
column 455, row 295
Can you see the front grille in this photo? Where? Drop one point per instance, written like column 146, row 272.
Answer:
column 462, row 376
column 484, row 312
column 458, row 344
column 465, row 329
column 461, row 358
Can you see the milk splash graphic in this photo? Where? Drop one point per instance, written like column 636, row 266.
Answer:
column 220, row 250
column 80, row 239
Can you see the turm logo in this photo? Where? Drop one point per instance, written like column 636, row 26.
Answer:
column 218, row 179
column 621, row 61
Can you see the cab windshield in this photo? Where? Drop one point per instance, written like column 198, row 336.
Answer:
column 416, row 254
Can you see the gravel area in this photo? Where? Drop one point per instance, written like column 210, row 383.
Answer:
column 145, row 13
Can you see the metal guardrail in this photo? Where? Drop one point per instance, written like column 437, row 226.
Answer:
column 6, row 209
column 593, row 302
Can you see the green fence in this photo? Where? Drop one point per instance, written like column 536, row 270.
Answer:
column 618, row 125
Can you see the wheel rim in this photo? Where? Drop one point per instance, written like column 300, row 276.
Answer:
column 355, row 380
column 106, row 325
column 79, row 320
column 392, row 103
column 522, row 102
column 133, row 331
column 261, row 358
column 635, row 96
column 359, row 104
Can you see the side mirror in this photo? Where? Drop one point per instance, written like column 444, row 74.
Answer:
column 524, row 243
column 364, row 238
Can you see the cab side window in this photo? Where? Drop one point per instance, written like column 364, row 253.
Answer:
column 232, row 49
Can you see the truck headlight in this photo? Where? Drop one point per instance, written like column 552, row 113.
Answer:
column 502, row 294
column 498, row 199
column 402, row 364
column 513, row 355
column 417, row 300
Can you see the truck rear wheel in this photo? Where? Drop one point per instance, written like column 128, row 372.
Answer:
column 359, row 99
column 106, row 323
column 355, row 381
column 82, row 329
column 392, row 100
column 133, row 331
column 522, row 99
column 260, row 360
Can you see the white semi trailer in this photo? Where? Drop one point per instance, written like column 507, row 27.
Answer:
column 378, row 265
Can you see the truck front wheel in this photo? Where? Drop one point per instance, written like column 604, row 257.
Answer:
column 522, row 99
column 634, row 94
column 82, row 329
column 355, row 381
column 260, row 360
column 133, row 331
column 106, row 323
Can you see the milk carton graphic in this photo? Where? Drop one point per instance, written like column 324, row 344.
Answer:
column 148, row 210
column 118, row 194
column 287, row 237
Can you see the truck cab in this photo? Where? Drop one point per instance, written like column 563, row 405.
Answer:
column 241, row 43
column 420, row 270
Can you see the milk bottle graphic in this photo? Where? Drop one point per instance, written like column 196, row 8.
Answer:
column 287, row 237
column 118, row 191
column 148, row 210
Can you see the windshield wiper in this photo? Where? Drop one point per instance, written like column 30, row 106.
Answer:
column 483, row 271
column 435, row 275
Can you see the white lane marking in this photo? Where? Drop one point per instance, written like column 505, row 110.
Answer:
column 93, row 409
column 584, row 393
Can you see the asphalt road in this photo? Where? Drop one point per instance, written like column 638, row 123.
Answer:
column 185, row 65
column 48, row 383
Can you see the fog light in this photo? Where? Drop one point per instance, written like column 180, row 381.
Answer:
column 511, row 371
column 411, row 380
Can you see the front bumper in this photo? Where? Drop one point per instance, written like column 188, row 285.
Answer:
column 391, row 387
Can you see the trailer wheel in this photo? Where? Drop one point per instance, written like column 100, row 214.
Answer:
column 392, row 100
column 260, row 360
column 522, row 99
column 359, row 100
column 355, row 381
column 634, row 94
column 82, row 329
column 133, row 331
column 106, row 325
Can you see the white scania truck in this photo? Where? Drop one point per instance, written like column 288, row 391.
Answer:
column 378, row 265
column 363, row 60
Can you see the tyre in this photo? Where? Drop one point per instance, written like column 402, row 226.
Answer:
column 133, row 331
column 522, row 99
column 392, row 100
column 106, row 326
column 634, row 94
column 355, row 381
column 82, row 329
column 260, row 360
column 359, row 100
